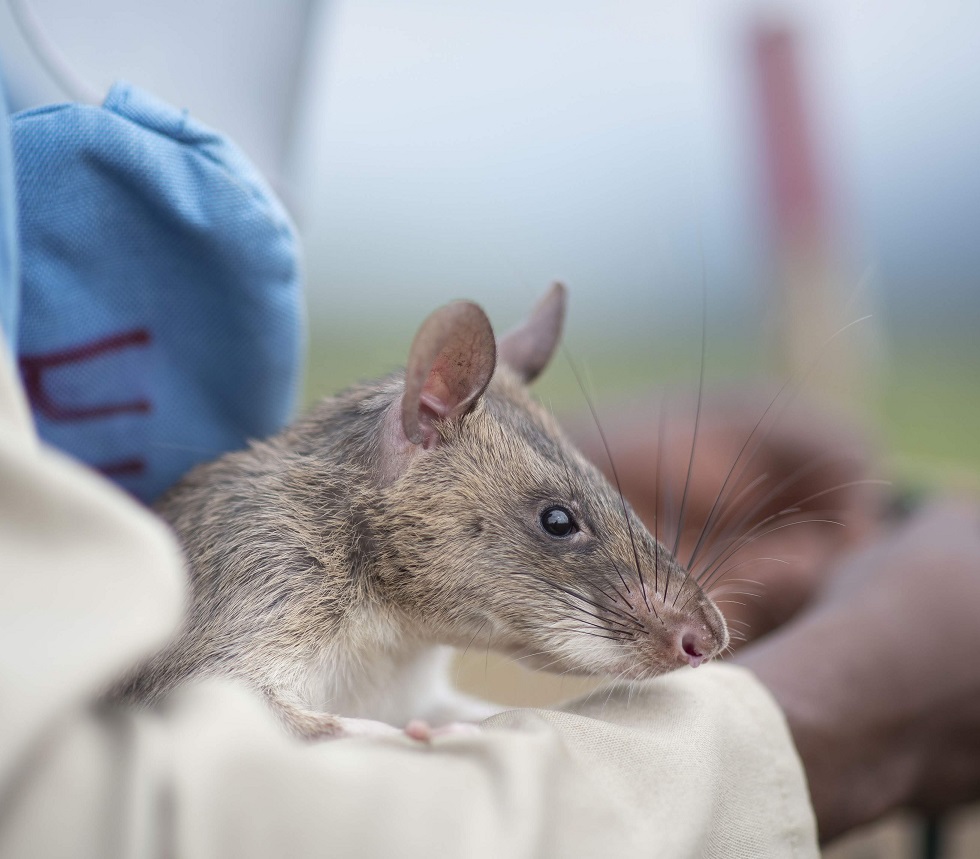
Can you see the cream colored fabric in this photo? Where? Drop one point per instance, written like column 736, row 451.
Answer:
column 699, row 763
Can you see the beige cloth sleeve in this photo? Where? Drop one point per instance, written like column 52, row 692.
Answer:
column 699, row 763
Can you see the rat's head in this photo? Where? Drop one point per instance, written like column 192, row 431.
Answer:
column 496, row 528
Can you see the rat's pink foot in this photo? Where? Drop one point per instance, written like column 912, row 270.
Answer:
column 420, row 730
column 417, row 729
column 365, row 728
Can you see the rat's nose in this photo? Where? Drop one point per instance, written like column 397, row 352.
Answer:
column 695, row 646
column 701, row 635
column 692, row 649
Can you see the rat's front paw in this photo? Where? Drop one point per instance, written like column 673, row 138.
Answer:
column 365, row 728
column 424, row 732
column 417, row 729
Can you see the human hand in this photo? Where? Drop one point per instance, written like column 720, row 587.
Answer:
column 879, row 678
column 766, row 493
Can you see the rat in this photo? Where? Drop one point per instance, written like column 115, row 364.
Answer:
column 334, row 565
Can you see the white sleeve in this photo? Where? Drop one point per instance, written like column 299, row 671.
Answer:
column 699, row 763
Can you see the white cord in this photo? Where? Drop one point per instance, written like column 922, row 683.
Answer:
column 49, row 56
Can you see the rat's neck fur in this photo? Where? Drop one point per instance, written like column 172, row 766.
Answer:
column 302, row 597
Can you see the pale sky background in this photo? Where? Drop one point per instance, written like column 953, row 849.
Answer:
column 483, row 149
column 446, row 149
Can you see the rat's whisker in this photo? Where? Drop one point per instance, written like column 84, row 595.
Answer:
column 752, row 594
column 725, row 552
column 697, row 414
column 619, row 488
column 760, row 504
column 798, row 474
column 741, row 581
column 722, row 579
column 612, row 688
column 803, row 376
column 656, row 498
column 575, row 595
column 773, row 530
column 468, row 645
column 730, row 506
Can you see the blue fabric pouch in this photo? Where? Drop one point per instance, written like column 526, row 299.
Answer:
column 9, row 274
column 160, row 320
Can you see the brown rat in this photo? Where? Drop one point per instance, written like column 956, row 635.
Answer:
column 333, row 564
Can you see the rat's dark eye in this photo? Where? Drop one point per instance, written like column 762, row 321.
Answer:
column 558, row 522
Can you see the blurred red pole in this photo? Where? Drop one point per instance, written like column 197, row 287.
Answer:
column 795, row 194
column 808, row 303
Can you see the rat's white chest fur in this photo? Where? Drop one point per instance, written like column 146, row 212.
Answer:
column 382, row 674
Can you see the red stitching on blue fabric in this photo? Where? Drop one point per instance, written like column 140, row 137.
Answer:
column 32, row 369
column 123, row 467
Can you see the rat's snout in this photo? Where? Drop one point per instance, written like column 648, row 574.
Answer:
column 693, row 647
column 702, row 635
column 686, row 635
column 699, row 635
column 689, row 633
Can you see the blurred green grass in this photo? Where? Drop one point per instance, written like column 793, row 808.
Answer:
column 925, row 413
column 930, row 410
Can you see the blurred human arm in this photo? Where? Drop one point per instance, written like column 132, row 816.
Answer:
column 875, row 667
column 879, row 678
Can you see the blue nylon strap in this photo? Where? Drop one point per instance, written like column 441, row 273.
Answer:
column 161, row 309
column 9, row 276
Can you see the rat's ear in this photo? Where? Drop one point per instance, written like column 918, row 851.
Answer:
column 528, row 348
column 450, row 364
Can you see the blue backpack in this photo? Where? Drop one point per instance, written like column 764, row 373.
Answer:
column 157, row 321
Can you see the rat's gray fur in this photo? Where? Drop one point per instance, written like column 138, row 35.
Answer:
column 327, row 561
